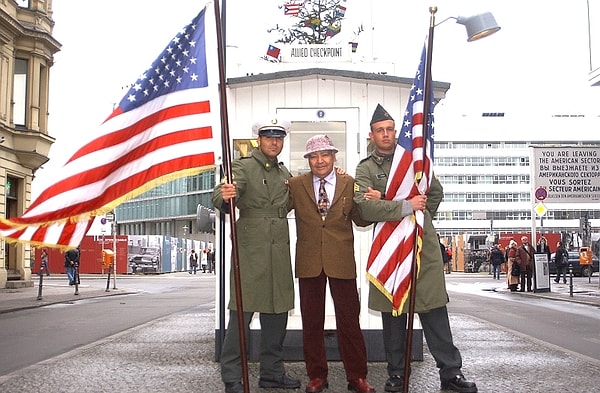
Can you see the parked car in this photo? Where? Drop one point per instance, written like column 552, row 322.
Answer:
column 146, row 261
column 578, row 270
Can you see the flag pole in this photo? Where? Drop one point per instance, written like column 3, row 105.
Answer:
column 232, row 215
column 413, row 270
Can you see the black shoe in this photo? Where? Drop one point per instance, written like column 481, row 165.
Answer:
column 459, row 384
column 282, row 382
column 234, row 387
column 395, row 383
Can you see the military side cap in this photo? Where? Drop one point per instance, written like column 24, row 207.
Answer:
column 273, row 128
column 380, row 114
column 319, row 143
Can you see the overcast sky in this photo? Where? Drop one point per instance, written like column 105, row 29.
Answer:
column 537, row 63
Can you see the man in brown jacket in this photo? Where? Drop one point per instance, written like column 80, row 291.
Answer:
column 525, row 261
column 324, row 211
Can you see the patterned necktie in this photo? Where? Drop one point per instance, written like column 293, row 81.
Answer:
column 323, row 200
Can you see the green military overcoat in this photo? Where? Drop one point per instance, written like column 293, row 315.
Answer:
column 373, row 171
column 262, row 234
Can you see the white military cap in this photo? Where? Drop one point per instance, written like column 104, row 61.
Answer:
column 273, row 128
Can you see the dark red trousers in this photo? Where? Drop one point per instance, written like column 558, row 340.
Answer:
column 351, row 343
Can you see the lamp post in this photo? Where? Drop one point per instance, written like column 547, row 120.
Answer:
column 114, row 232
column 478, row 26
column 184, row 248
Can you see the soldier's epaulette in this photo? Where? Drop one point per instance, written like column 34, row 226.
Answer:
column 243, row 158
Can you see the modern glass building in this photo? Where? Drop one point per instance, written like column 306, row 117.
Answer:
column 169, row 209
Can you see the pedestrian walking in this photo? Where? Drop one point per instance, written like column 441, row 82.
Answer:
column 44, row 267
column 525, row 260
column 71, row 259
column 193, row 261
column 210, row 260
column 513, row 270
column 496, row 260
column 561, row 260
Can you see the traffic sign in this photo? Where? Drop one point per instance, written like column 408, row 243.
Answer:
column 540, row 209
column 541, row 193
column 110, row 216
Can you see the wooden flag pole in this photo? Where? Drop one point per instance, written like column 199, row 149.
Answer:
column 413, row 270
column 232, row 215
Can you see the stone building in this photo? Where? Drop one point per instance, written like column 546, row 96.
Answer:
column 26, row 55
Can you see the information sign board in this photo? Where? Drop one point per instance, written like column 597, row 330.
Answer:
column 569, row 174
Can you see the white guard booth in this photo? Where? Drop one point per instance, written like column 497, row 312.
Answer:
column 338, row 103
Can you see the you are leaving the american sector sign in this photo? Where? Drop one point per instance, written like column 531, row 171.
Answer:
column 569, row 174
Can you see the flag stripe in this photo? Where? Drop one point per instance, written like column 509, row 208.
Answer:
column 142, row 126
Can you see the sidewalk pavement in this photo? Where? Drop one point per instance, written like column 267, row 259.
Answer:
column 175, row 354
column 585, row 290
column 55, row 289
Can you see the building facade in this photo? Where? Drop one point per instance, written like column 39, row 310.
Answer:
column 489, row 183
column 26, row 55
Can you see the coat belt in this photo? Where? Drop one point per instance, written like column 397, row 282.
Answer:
column 272, row 212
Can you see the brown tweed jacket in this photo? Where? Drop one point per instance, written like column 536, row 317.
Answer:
column 324, row 245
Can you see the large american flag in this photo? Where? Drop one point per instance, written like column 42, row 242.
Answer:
column 396, row 242
column 160, row 130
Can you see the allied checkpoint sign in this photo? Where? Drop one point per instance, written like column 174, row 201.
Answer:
column 566, row 174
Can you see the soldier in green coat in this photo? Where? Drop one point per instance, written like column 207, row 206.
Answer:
column 431, row 297
column 260, row 188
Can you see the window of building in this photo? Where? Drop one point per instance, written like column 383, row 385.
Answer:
column 20, row 92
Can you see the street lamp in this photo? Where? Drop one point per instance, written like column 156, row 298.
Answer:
column 478, row 26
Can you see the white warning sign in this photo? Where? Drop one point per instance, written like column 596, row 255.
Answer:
column 569, row 174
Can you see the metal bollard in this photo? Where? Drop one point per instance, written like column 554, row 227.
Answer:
column 41, row 285
column 76, row 279
column 108, row 279
column 571, row 280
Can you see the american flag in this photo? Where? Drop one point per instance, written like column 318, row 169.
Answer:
column 396, row 242
column 160, row 130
